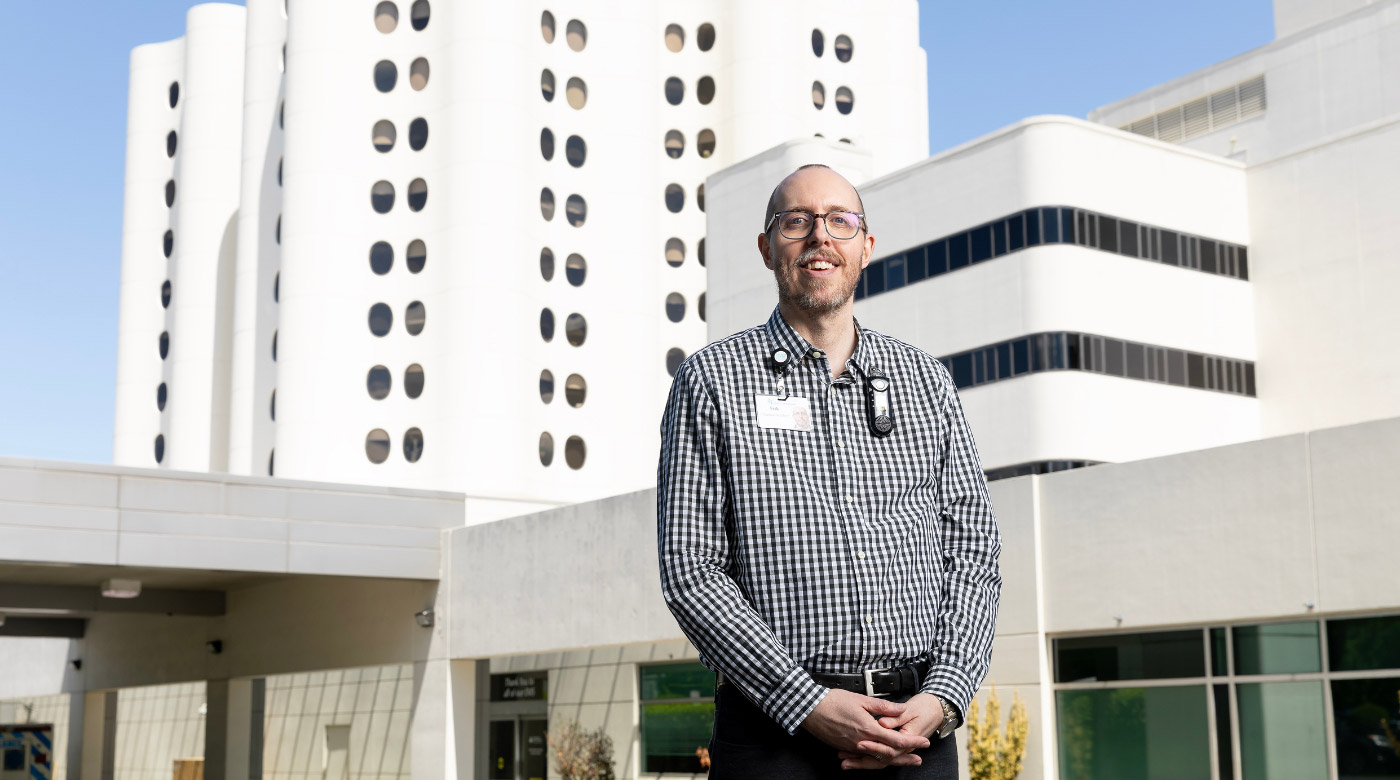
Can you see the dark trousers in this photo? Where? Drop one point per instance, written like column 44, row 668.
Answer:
column 748, row 744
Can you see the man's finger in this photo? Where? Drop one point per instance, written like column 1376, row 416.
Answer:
column 895, row 722
column 882, row 707
column 900, row 741
column 867, row 762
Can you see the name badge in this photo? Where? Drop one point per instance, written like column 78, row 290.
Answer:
column 787, row 414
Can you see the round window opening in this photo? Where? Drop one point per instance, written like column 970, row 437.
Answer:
column 547, row 27
column 168, row 242
column 418, row 134
column 381, row 197
column 844, row 48
column 675, row 91
column 171, row 140
column 674, row 357
column 165, row 294
column 417, row 195
column 383, row 134
column 675, row 307
column 414, row 317
column 818, row 94
column 546, row 449
column 675, row 37
column 675, row 252
column 705, row 37
column 161, row 395
column 412, row 445
column 381, row 319
column 705, row 143
column 418, row 74
column 576, row 329
column 547, row 84
column 547, row 263
column 575, row 390
column 386, row 17
column 379, row 382
column 377, row 445
column 845, row 100
column 413, row 381
column 675, row 198
column 575, row 452
column 381, row 258
column 575, row 269
column 576, row 210
column 547, row 144
column 417, row 255
column 418, row 15
column 170, row 193
column 576, row 92
column 386, row 75
column 675, row 144
column 818, row 42
column 705, row 90
column 164, row 344
column 160, row 447
column 174, row 93
column 575, row 151
column 576, row 35
column 547, row 324
column 546, row 385
column 547, row 204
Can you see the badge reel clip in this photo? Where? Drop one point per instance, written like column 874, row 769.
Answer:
column 781, row 361
column 877, row 406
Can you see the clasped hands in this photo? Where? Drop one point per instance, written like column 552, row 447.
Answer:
column 870, row 733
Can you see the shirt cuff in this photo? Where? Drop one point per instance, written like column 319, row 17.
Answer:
column 793, row 699
column 952, row 685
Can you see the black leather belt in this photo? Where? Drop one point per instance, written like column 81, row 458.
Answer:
column 881, row 683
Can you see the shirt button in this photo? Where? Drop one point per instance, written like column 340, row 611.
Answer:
column 869, row 619
column 861, row 555
column 839, row 444
column 816, row 353
column 849, row 500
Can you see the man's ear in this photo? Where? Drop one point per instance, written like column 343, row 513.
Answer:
column 765, row 250
column 868, row 251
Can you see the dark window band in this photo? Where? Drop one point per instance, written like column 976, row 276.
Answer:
column 1063, row 351
column 1053, row 225
column 1037, row 467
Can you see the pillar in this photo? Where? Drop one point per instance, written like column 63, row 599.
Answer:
column 446, row 720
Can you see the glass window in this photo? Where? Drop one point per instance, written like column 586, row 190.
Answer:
column 413, row 381
column 412, row 445
column 675, row 252
column 1225, row 756
column 705, row 36
column 386, row 74
column 418, row 134
column 675, row 198
column 377, row 445
column 1128, row 238
column 1108, row 234
column 1170, row 247
column 1137, row 368
column 957, row 251
column 414, row 317
column 1113, row 357
column 914, row 265
column 574, row 452
column 675, row 37
column 845, row 100
column 1066, row 226
column 1032, row 227
column 1195, row 370
column 1278, row 648
column 999, row 238
column 575, row 390
column 546, row 385
column 894, row 272
column 417, row 195
column 381, row 257
column 160, row 447
column 1242, row 260
column 1016, row 233
column 675, row 91
column 575, row 329
column 1051, row 220
column 575, row 269
column 1003, row 362
column 547, row 263
column 576, row 35
column 378, row 382
column 547, row 144
column 381, row 197
column 383, row 135
column 160, row 397
column 547, row 204
column 937, row 258
column 546, row 449
column 547, row 32
column 981, row 243
column 1249, row 379
column 1208, row 256
column 1364, row 643
column 1282, row 730
column 675, row 307
column 418, row 14
column 547, row 85
column 416, row 256
column 1020, row 356
column 1366, row 719
column 705, row 90
column 818, row 42
column 962, row 370
column 381, row 318
column 677, row 716
column 576, row 92
column 1133, row 733
column 875, row 278
column 705, row 143
column 674, row 357
column 547, row 324
column 1155, row 655
column 844, row 48
column 1058, row 350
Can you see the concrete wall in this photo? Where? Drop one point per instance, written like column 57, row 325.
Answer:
column 376, row 703
column 157, row 725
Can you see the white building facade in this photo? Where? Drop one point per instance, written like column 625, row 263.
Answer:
column 1194, row 288
column 521, row 189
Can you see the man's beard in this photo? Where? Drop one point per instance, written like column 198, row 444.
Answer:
column 832, row 295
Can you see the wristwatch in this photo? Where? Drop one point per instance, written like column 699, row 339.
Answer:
column 950, row 718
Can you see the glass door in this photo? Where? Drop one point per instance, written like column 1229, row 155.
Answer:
column 534, row 750
column 502, row 750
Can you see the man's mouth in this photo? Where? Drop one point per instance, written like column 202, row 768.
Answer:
column 816, row 264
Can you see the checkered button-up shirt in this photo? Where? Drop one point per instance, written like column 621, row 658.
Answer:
column 787, row 552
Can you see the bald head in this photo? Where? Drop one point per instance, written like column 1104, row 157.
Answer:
column 802, row 180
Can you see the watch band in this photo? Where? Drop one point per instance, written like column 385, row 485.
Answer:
column 950, row 718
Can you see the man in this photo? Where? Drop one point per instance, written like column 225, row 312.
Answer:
column 825, row 536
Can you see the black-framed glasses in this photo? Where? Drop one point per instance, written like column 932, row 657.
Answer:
column 796, row 225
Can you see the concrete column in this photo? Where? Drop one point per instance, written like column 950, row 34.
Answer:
column 446, row 720
column 73, row 757
column 99, row 736
column 233, row 726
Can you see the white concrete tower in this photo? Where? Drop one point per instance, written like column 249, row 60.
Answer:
column 178, row 254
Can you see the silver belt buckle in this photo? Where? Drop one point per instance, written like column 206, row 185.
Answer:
column 870, row 684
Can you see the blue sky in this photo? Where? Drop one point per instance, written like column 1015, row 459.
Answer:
column 65, row 109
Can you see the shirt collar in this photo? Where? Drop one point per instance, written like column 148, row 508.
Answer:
column 785, row 336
